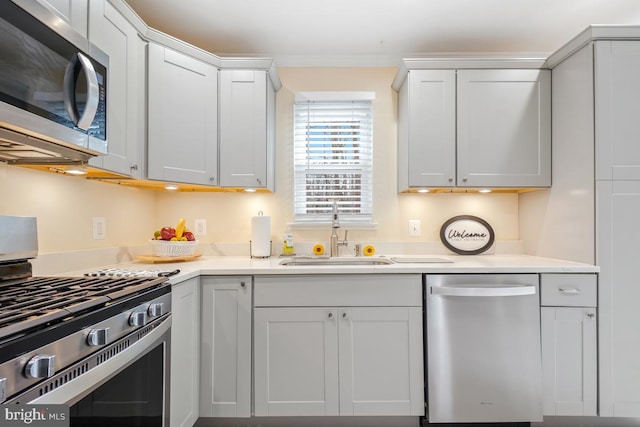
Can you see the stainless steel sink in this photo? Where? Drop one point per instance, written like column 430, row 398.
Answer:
column 293, row 261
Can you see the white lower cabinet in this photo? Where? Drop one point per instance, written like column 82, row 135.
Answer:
column 338, row 359
column 185, row 351
column 225, row 363
column 569, row 344
column 296, row 361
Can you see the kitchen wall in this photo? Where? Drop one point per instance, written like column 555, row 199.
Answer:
column 65, row 205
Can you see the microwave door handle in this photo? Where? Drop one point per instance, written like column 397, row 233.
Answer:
column 484, row 291
column 93, row 92
column 69, row 90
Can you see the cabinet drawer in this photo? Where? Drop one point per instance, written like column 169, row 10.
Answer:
column 569, row 290
column 361, row 290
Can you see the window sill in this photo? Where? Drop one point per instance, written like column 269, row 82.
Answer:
column 326, row 225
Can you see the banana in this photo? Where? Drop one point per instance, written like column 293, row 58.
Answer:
column 180, row 228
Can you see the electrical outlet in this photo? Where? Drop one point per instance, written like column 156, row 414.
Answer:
column 99, row 227
column 414, row 228
column 201, row 227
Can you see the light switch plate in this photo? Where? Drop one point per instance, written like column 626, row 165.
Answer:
column 414, row 228
column 200, row 226
column 99, row 227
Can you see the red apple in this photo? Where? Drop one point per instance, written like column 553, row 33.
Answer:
column 166, row 233
column 189, row 235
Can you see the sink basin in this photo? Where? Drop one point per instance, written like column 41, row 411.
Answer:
column 336, row 261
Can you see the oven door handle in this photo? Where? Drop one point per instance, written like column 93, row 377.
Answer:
column 93, row 91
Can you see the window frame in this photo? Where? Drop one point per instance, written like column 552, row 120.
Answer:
column 321, row 221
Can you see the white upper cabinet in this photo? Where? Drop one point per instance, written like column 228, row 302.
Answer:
column 74, row 12
column 475, row 128
column 111, row 32
column 427, row 129
column 182, row 118
column 504, row 128
column 247, row 116
column 617, row 96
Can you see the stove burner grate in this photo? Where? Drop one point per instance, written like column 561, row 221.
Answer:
column 36, row 301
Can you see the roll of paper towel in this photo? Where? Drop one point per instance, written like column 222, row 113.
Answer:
column 260, row 236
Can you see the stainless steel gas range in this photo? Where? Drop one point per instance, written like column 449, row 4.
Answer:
column 99, row 344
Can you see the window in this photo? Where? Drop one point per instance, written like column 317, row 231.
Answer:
column 333, row 156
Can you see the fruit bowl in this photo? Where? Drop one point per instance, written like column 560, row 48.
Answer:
column 166, row 248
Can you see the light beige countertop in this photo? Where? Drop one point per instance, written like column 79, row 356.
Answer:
column 244, row 265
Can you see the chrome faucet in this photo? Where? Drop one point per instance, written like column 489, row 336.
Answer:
column 335, row 225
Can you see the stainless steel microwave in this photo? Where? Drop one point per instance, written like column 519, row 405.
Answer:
column 53, row 85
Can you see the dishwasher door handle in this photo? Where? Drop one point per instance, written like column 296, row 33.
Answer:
column 484, row 291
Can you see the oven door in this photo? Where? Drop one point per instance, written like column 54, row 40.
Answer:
column 129, row 386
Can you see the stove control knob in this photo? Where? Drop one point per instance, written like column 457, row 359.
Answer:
column 155, row 309
column 41, row 366
column 98, row 336
column 138, row 318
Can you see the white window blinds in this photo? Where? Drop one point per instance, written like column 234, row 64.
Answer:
column 333, row 157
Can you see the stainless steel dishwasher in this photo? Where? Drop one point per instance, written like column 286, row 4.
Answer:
column 483, row 348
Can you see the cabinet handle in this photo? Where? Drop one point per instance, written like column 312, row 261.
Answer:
column 212, row 179
column 465, row 179
column 450, row 179
column 591, row 315
column 344, row 315
column 134, row 167
column 569, row 291
column 242, row 284
column 330, row 315
column 259, row 181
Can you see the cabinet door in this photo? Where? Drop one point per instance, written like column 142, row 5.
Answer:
column 569, row 361
column 427, row 129
column 182, row 145
column 617, row 254
column 225, row 389
column 243, row 128
column 113, row 34
column 185, row 351
column 296, row 361
column 381, row 369
column 504, row 128
column 74, row 12
column 617, row 102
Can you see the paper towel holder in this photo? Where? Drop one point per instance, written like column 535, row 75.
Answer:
column 264, row 256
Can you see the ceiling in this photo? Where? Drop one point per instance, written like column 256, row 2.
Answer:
column 379, row 32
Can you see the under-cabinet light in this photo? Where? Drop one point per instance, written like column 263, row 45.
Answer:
column 484, row 190
column 423, row 190
column 250, row 190
column 171, row 187
column 76, row 170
